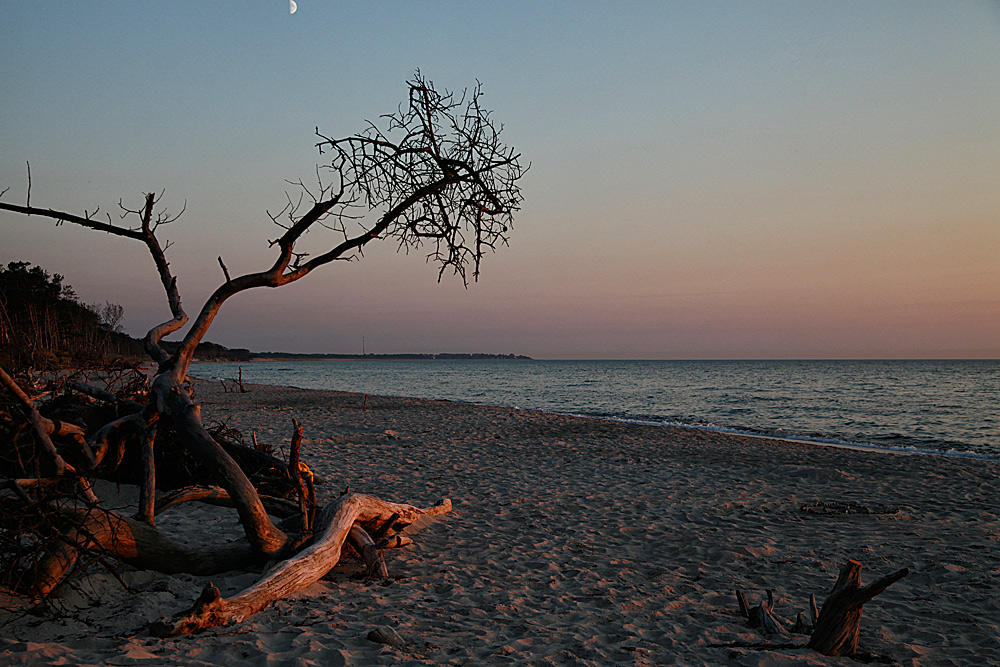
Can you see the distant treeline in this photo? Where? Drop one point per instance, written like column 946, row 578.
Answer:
column 446, row 355
column 45, row 326
column 207, row 351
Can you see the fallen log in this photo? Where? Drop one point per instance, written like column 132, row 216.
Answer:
column 132, row 541
column 375, row 567
column 333, row 524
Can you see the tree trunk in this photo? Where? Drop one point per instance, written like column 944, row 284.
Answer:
column 136, row 543
column 173, row 400
column 839, row 622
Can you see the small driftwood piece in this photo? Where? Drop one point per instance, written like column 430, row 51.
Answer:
column 800, row 627
column 839, row 622
column 375, row 567
column 147, row 492
column 762, row 616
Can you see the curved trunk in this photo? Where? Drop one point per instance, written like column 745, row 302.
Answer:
column 306, row 567
column 173, row 400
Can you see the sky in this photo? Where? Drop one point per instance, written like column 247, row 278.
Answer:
column 709, row 180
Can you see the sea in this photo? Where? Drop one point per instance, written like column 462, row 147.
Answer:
column 944, row 408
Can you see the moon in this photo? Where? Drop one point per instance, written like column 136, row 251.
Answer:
column 292, row 6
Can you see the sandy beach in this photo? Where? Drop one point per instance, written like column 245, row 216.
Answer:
column 572, row 542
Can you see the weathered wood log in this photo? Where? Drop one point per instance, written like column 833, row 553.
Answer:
column 134, row 542
column 839, row 622
column 334, row 523
column 762, row 616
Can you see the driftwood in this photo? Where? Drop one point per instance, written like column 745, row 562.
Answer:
column 299, row 571
column 213, row 495
column 839, row 621
column 375, row 567
column 134, row 542
column 835, row 628
column 125, row 404
column 764, row 617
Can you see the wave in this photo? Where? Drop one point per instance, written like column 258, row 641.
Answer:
column 781, row 434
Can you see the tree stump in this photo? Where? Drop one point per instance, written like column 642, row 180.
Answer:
column 839, row 622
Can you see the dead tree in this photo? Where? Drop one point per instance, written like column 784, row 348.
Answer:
column 836, row 626
column 839, row 622
column 434, row 175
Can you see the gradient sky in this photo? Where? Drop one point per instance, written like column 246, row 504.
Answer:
column 709, row 180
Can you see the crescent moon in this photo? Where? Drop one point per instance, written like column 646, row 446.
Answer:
column 292, row 6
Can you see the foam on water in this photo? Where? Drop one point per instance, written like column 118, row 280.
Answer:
column 781, row 434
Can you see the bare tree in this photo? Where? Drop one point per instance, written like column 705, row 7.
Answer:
column 433, row 175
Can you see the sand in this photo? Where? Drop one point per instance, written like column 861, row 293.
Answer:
column 572, row 542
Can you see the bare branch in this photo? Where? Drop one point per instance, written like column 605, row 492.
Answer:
column 61, row 216
column 41, row 426
column 224, row 269
column 169, row 282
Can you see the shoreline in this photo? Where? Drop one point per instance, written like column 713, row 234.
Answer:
column 815, row 441
column 803, row 440
column 573, row 541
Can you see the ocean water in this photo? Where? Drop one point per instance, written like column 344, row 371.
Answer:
column 936, row 407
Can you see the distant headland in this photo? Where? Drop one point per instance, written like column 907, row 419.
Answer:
column 260, row 356
column 207, row 351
